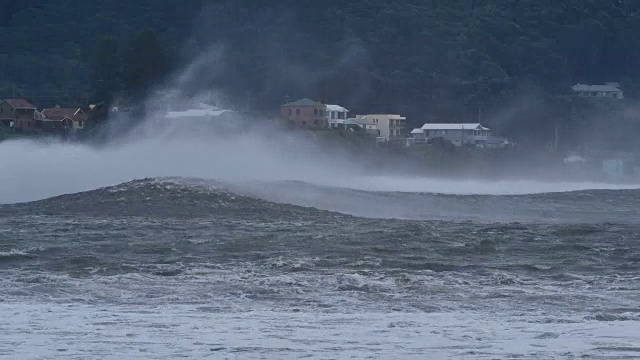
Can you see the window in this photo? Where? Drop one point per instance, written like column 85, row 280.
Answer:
column 315, row 122
column 333, row 114
column 321, row 112
column 304, row 123
column 28, row 123
column 315, row 112
column 289, row 112
column 297, row 112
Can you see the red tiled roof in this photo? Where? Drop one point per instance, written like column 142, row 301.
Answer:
column 61, row 113
column 20, row 103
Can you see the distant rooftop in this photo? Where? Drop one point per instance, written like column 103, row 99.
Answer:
column 303, row 102
column 337, row 108
column 597, row 88
column 58, row 113
column 453, row 126
column 20, row 103
column 196, row 113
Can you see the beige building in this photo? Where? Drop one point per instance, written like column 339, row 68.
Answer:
column 392, row 127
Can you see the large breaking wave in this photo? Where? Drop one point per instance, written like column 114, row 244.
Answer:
column 194, row 197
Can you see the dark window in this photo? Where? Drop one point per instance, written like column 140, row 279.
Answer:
column 315, row 112
column 321, row 112
column 289, row 112
column 304, row 123
column 297, row 111
column 315, row 122
column 28, row 123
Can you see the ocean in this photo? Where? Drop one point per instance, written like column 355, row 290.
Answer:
column 194, row 268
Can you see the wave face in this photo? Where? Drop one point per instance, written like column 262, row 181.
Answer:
column 193, row 197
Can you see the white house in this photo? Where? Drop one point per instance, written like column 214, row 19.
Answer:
column 608, row 90
column 335, row 113
column 392, row 127
column 459, row 134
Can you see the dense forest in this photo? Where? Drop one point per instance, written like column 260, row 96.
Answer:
column 507, row 62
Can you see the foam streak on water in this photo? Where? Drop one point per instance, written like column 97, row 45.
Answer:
column 169, row 332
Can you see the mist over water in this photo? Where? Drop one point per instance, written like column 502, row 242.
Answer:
column 32, row 169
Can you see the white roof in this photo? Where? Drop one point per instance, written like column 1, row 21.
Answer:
column 574, row 159
column 604, row 88
column 390, row 116
column 336, row 108
column 453, row 126
column 195, row 113
column 417, row 131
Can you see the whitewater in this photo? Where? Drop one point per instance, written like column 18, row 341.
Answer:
column 266, row 245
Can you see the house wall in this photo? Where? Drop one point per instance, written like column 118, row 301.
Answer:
column 337, row 115
column 392, row 127
column 6, row 114
column 609, row 94
column 458, row 137
column 24, row 119
column 313, row 116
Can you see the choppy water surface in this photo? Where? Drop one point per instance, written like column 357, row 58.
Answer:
column 183, row 268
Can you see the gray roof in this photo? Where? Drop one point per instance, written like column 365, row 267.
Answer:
column 303, row 102
column 453, row 126
column 597, row 88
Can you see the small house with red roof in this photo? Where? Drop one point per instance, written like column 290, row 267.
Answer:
column 65, row 118
column 18, row 113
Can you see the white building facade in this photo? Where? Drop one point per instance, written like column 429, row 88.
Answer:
column 608, row 90
column 336, row 114
column 465, row 134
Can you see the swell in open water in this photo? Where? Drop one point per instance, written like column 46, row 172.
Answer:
column 175, row 267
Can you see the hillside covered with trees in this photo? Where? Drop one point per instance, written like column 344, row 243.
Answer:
column 507, row 62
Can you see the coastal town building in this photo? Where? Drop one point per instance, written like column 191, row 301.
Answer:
column 18, row 113
column 62, row 118
column 391, row 127
column 459, row 134
column 367, row 124
column 608, row 90
column 305, row 112
column 336, row 114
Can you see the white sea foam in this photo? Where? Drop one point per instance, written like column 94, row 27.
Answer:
column 35, row 331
